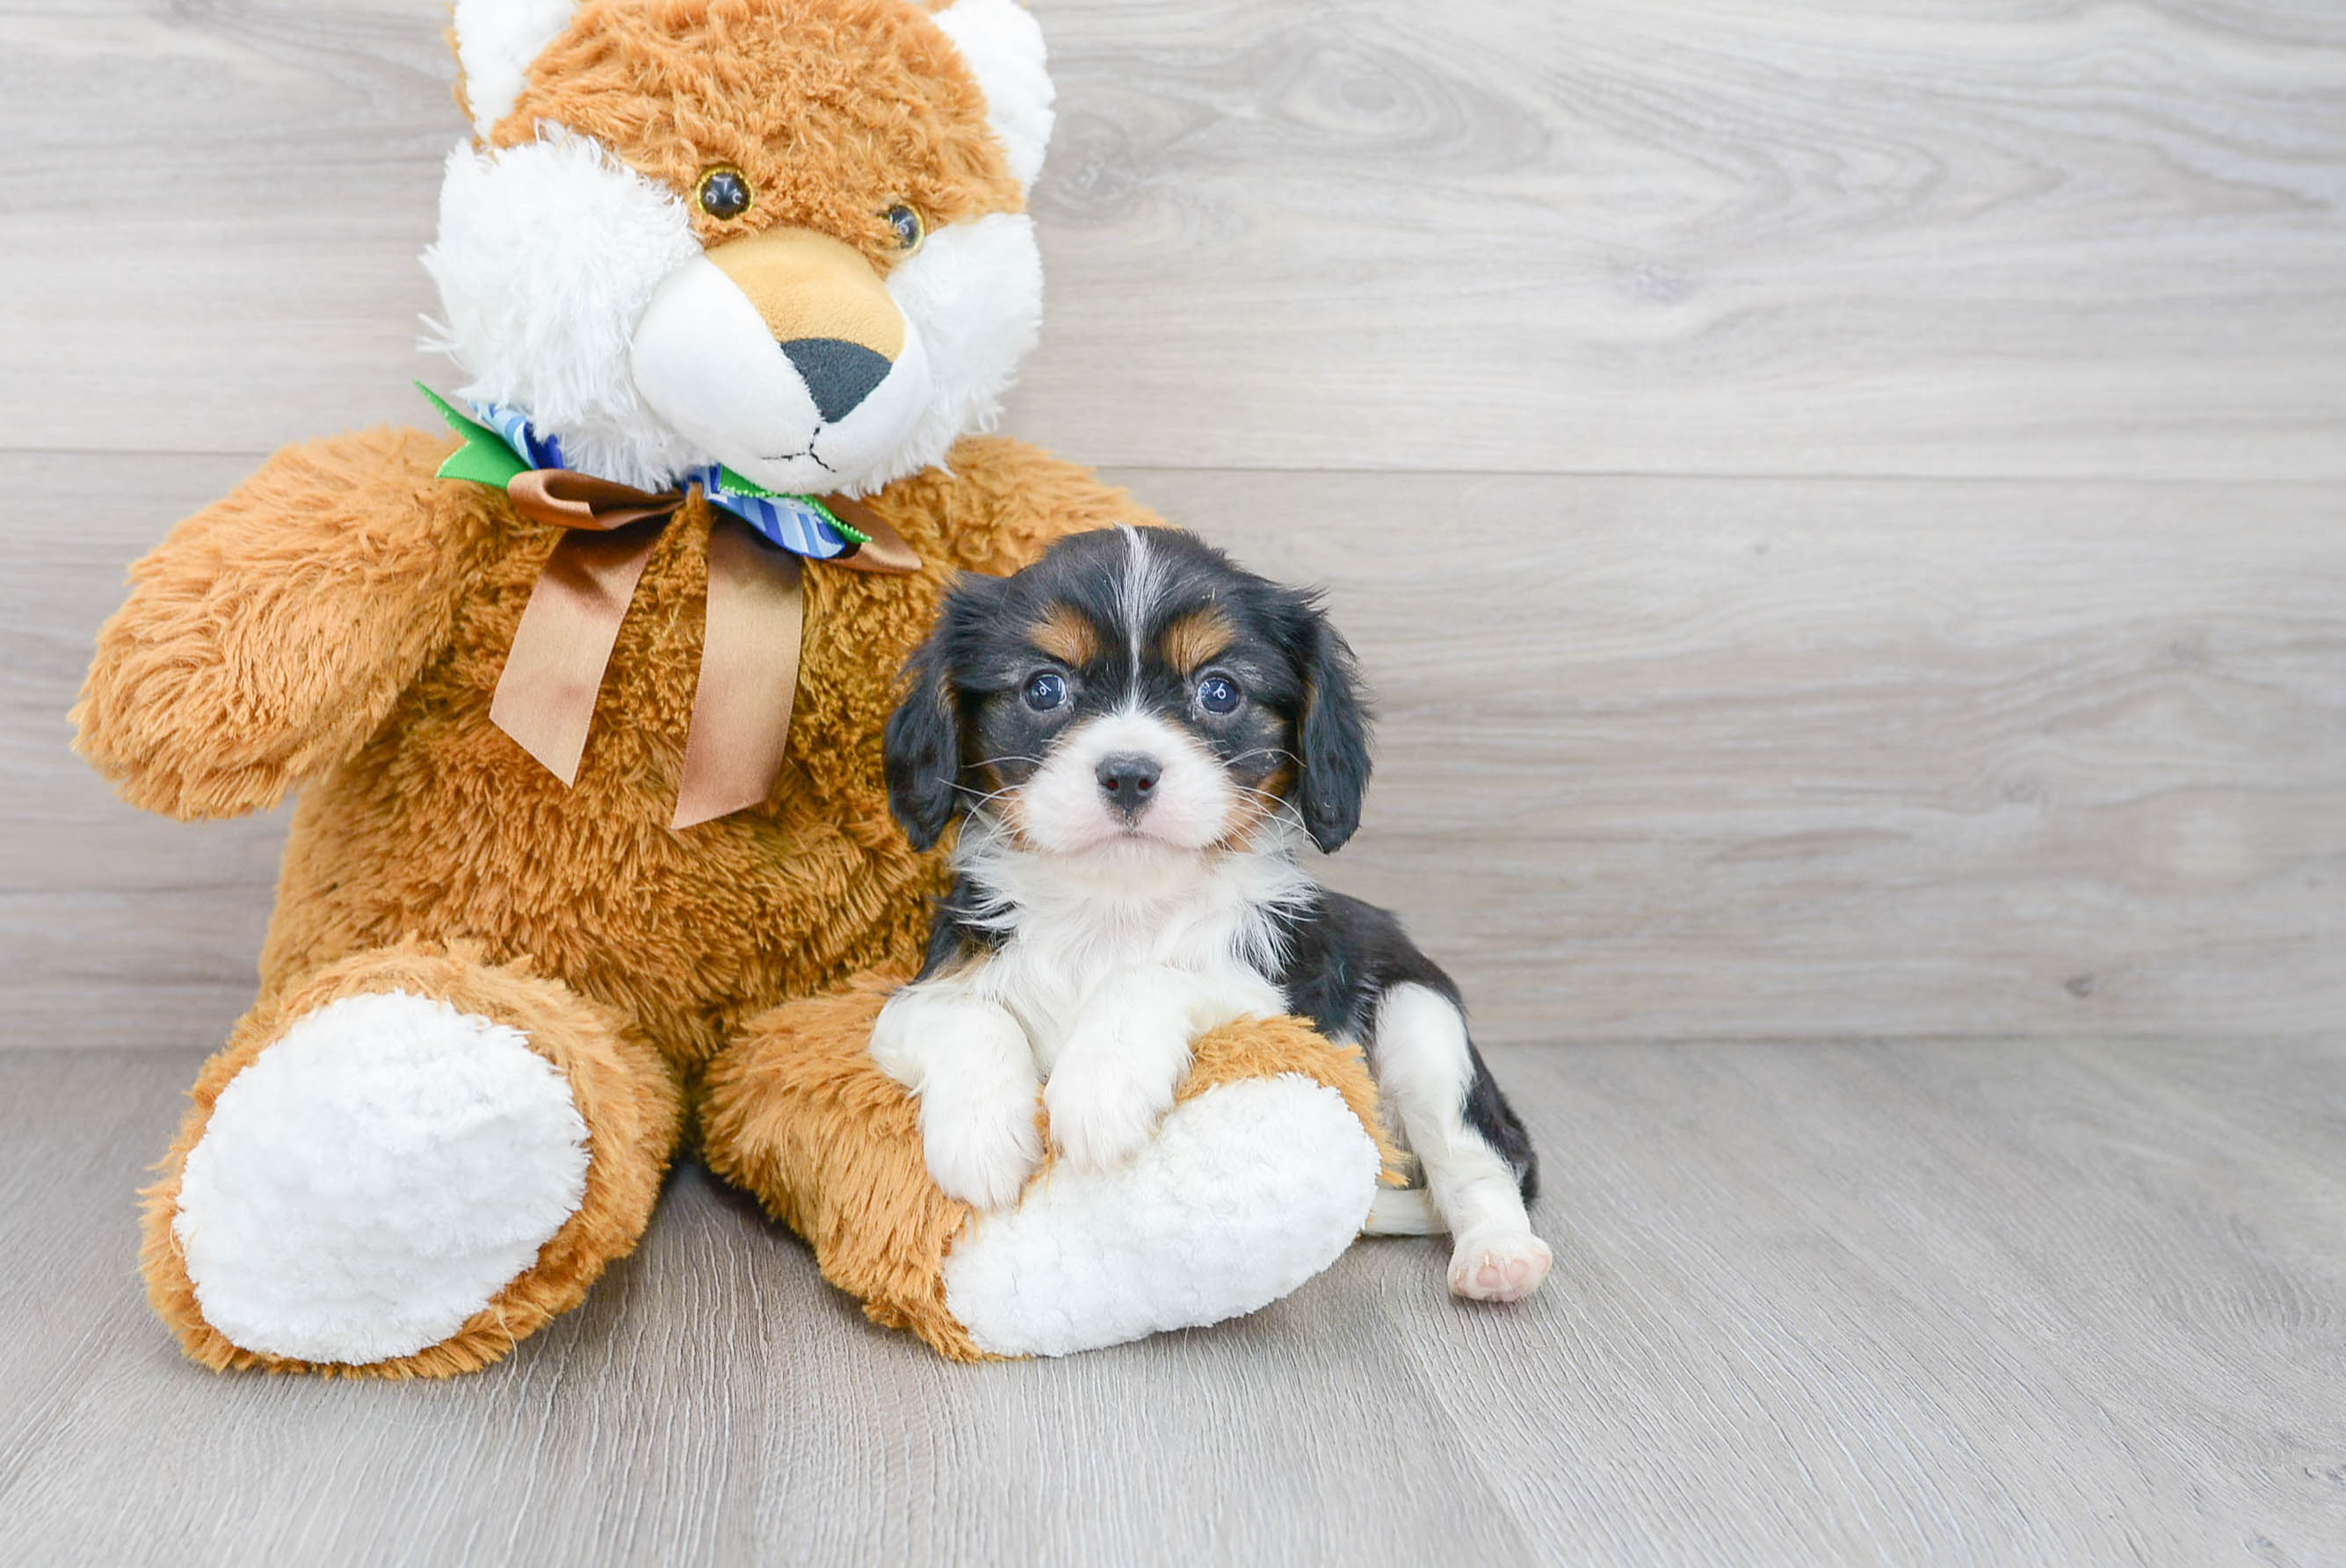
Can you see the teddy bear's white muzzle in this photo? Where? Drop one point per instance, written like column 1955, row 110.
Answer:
column 809, row 413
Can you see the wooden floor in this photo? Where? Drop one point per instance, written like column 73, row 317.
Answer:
column 1844, row 507
column 1928, row 1303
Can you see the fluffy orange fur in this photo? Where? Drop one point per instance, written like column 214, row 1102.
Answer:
column 339, row 622
column 274, row 631
column 834, row 110
column 246, row 662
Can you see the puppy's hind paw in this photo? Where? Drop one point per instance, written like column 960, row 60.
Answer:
column 1498, row 1266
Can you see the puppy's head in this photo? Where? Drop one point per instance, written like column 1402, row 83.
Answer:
column 1133, row 691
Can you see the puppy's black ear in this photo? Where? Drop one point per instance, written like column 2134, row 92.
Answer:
column 921, row 749
column 1331, row 738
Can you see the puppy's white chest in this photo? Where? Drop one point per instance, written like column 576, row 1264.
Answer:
column 1061, row 966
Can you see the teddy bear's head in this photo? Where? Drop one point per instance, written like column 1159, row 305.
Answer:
column 785, row 236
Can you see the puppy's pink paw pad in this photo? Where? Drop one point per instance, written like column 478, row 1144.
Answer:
column 1499, row 1268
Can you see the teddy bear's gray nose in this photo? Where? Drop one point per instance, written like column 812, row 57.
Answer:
column 839, row 373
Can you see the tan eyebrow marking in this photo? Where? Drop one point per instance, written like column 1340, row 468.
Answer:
column 1065, row 635
column 1197, row 637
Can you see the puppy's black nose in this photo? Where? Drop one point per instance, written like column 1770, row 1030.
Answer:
column 838, row 374
column 1127, row 779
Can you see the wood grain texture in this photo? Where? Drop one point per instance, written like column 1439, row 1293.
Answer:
column 1757, row 449
column 1660, row 759
column 1653, row 236
column 1927, row 1304
column 1732, row 758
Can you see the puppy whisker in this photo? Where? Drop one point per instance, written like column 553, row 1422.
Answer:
column 981, row 798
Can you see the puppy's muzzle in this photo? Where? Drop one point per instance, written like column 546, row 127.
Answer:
column 1128, row 781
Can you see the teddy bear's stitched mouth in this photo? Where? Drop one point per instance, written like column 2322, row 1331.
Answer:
column 794, row 456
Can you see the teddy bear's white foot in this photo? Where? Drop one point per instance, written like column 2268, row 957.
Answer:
column 1246, row 1192
column 375, row 1177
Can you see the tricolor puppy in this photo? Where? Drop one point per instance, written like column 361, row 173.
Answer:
column 1140, row 738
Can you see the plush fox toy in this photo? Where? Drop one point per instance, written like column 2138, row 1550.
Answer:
column 584, row 706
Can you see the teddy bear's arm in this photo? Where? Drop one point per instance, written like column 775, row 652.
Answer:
column 268, row 635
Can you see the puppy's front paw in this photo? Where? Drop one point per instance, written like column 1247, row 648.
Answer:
column 981, row 1146
column 1102, row 1109
column 1498, row 1265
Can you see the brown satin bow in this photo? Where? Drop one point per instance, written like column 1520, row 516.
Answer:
column 749, row 653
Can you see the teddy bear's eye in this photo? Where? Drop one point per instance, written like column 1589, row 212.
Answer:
column 910, row 229
column 724, row 192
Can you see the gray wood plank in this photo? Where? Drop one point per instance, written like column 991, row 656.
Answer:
column 1728, row 759
column 1981, row 1302
column 1655, row 236
column 1660, row 758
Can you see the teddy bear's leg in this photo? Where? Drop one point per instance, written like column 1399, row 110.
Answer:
column 1259, row 1178
column 401, row 1164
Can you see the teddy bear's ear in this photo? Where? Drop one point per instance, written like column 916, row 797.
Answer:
column 496, row 42
column 1002, row 47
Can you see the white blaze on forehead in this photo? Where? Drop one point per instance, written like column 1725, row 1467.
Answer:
column 1137, row 594
column 496, row 42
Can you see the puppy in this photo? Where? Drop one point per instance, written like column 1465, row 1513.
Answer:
column 1141, row 736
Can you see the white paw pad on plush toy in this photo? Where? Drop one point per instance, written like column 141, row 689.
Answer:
column 375, row 1178
column 1246, row 1192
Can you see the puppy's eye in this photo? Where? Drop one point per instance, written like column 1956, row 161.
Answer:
column 724, row 191
column 1218, row 694
column 1045, row 691
column 910, row 229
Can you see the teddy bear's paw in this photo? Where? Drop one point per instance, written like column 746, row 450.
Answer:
column 1498, row 1265
column 1246, row 1191
column 375, row 1179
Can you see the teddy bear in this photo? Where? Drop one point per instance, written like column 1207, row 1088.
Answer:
column 582, row 696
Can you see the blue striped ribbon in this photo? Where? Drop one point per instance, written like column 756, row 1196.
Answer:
column 791, row 522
